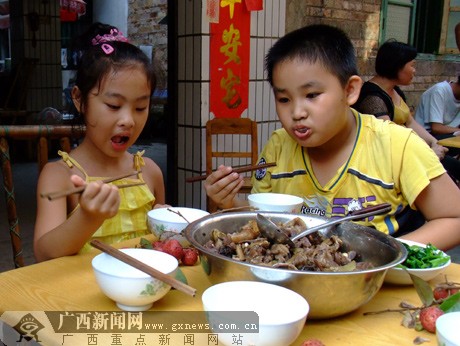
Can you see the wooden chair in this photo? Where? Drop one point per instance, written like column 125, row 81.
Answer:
column 28, row 132
column 15, row 105
column 231, row 141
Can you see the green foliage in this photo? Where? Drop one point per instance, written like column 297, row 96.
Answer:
column 145, row 244
column 451, row 304
column 419, row 257
column 181, row 276
column 424, row 290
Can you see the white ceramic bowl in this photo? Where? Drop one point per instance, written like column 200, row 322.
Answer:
column 282, row 312
column 447, row 329
column 168, row 219
column 399, row 276
column 275, row 202
column 130, row 288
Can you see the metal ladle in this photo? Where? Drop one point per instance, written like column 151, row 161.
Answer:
column 271, row 231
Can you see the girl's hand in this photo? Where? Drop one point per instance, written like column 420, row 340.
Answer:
column 98, row 200
column 222, row 186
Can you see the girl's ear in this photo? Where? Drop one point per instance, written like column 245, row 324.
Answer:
column 76, row 98
column 353, row 88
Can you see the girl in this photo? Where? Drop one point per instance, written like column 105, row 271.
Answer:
column 112, row 92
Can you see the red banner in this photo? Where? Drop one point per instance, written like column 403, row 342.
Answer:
column 229, row 60
column 254, row 5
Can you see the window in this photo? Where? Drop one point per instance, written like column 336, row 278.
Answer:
column 426, row 24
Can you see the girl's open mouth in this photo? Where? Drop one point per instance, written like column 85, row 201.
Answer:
column 120, row 142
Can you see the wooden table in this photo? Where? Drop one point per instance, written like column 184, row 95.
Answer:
column 68, row 284
column 453, row 142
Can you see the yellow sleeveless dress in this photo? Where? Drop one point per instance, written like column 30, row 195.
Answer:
column 131, row 219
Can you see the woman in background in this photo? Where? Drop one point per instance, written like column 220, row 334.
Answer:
column 382, row 97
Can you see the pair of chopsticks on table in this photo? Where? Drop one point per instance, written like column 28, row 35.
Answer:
column 80, row 189
column 236, row 170
column 120, row 255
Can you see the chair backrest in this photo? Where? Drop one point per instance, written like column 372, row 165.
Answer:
column 28, row 132
column 231, row 141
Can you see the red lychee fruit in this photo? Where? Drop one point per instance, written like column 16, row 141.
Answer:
column 428, row 317
column 174, row 248
column 190, row 257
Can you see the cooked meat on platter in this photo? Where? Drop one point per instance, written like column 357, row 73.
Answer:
column 311, row 253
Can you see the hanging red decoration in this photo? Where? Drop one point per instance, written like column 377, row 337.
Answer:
column 74, row 6
column 229, row 60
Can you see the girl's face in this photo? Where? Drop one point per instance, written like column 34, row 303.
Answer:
column 407, row 73
column 311, row 103
column 117, row 111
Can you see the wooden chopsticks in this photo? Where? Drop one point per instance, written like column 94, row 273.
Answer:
column 236, row 170
column 110, row 250
column 58, row 194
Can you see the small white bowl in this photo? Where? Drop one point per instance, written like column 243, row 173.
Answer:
column 282, row 312
column 447, row 329
column 277, row 202
column 399, row 276
column 130, row 288
column 167, row 219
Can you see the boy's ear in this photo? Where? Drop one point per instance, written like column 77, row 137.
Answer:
column 353, row 88
column 76, row 98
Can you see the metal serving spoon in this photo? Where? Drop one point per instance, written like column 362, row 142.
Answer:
column 272, row 232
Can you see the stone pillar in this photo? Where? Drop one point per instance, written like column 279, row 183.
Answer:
column 113, row 12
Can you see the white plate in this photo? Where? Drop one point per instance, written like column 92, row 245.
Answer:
column 399, row 276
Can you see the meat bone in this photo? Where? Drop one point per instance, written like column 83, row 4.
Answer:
column 271, row 231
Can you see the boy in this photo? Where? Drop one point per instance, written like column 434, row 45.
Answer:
column 338, row 159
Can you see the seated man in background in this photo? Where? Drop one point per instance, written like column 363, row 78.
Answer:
column 438, row 109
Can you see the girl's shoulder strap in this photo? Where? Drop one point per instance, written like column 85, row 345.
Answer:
column 139, row 162
column 71, row 162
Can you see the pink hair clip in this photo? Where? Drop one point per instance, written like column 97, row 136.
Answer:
column 114, row 35
column 107, row 48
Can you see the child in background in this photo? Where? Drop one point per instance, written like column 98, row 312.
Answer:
column 114, row 83
column 337, row 159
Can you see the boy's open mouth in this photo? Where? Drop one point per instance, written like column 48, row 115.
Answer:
column 302, row 132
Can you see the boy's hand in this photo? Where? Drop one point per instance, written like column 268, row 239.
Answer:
column 99, row 200
column 222, row 186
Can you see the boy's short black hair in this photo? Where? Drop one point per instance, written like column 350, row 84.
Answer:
column 318, row 43
column 392, row 56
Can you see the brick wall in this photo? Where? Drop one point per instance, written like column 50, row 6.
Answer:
column 360, row 20
column 144, row 27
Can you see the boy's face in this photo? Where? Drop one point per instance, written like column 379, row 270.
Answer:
column 311, row 103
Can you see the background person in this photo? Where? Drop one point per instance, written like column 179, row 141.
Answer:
column 439, row 109
column 382, row 97
column 326, row 151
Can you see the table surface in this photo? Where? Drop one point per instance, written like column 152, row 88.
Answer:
column 453, row 142
column 68, row 284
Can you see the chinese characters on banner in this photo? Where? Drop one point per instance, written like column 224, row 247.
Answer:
column 229, row 60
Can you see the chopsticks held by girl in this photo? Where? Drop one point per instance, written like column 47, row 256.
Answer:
column 114, row 83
